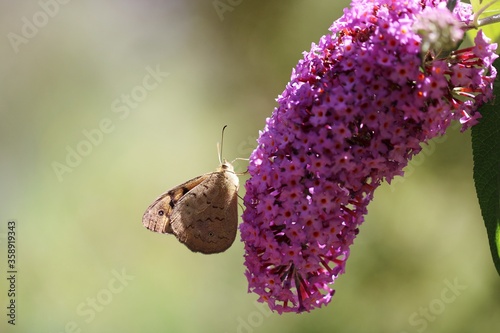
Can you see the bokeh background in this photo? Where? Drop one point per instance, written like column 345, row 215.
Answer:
column 79, row 226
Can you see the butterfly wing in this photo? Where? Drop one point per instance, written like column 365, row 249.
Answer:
column 206, row 218
column 158, row 215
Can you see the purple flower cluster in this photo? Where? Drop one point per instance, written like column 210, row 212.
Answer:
column 356, row 109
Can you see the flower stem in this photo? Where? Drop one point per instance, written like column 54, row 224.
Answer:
column 488, row 20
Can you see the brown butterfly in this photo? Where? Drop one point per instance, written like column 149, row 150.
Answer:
column 202, row 213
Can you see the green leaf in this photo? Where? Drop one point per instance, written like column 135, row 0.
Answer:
column 475, row 4
column 486, row 154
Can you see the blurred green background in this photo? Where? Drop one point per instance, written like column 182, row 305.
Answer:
column 79, row 226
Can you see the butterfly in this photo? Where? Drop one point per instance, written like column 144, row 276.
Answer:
column 202, row 212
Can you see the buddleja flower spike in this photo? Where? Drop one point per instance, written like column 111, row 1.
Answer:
column 356, row 109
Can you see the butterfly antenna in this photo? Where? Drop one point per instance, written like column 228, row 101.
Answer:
column 221, row 144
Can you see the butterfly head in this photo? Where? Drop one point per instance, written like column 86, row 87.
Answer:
column 226, row 166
